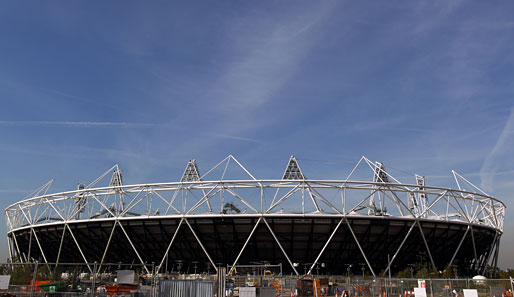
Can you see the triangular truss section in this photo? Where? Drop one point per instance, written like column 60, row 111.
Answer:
column 191, row 173
column 381, row 194
column 224, row 171
column 462, row 183
column 116, row 178
column 195, row 199
column 380, row 173
column 41, row 190
column 293, row 170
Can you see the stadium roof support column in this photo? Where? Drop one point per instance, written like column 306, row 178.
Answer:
column 9, row 247
column 201, row 245
column 107, row 246
column 360, row 248
column 398, row 250
column 133, row 247
column 40, row 248
column 14, row 239
column 474, row 247
column 426, row 245
column 60, row 247
column 281, row 248
column 244, row 246
column 30, row 246
column 458, row 247
column 169, row 246
column 497, row 252
column 491, row 251
column 78, row 246
column 325, row 246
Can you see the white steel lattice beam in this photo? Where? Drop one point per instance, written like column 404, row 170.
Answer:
column 133, row 247
column 472, row 207
column 325, row 246
column 40, row 248
column 244, row 246
column 60, row 247
column 169, row 245
column 280, row 245
column 201, row 245
column 107, row 246
column 426, row 245
column 458, row 247
column 360, row 248
column 399, row 248
column 80, row 249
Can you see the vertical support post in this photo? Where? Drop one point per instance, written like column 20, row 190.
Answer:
column 94, row 279
column 222, row 274
column 9, row 247
column 262, row 199
column 34, row 278
column 17, row 247
column 303, row 198
column 389, row 287
column 474, row 248
column 496, row 257
column 154, row 276
column 30, row 245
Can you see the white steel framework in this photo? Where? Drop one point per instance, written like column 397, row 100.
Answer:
column 201, row 196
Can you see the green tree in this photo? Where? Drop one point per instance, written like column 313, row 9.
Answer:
column 21, row 274
column 506, row 273
column 406, row 273
column 423, row 267
column 448, row 272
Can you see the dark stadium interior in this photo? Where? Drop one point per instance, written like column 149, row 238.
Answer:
column 302, row 237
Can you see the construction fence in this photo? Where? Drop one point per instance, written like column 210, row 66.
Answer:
column 131, row 280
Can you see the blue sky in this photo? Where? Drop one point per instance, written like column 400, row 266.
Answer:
column 425, row 87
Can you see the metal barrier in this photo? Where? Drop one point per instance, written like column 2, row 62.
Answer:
column 75, row 280
column 186, row 288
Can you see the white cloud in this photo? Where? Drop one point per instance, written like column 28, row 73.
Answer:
column 78, row 124
column 499, row 154
column 267, row 50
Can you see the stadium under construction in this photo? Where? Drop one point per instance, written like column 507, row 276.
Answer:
column 374, row 225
